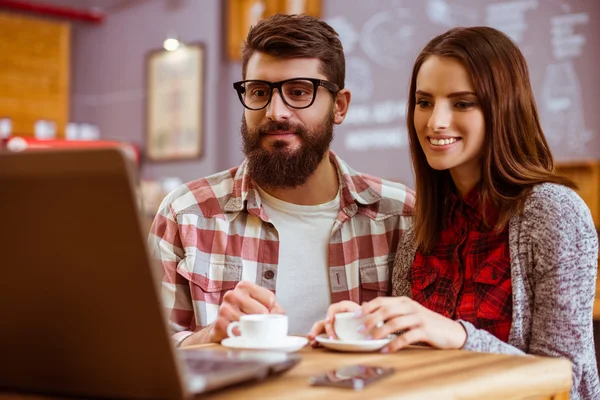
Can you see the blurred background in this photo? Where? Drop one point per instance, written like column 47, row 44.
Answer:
column 155, row 76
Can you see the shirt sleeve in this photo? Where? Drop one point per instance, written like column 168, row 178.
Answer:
column 166, row 249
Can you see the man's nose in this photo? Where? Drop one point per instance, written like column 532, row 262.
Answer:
column 277, row 110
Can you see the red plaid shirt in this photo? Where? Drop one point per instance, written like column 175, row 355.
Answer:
column 467, row 275
column 212, row 233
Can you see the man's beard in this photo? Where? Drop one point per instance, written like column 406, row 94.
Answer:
column 278, row 166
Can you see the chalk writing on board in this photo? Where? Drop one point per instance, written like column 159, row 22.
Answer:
column 381, row 138
column 565, row 42
column 387, row 37
column 509, row 17
column 441, row 12
column 563, row 120
column 562, row 101
column 382, row 112
column 376, row 136
column 346, row 31
column 359, row 78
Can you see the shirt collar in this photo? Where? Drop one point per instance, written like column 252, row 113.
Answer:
column 470, row 207
column 356, row 194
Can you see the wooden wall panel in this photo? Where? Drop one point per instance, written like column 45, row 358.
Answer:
column 242, row 14
column 586, row 175
column 34, row 72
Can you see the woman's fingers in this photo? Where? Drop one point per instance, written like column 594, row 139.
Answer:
column 342, row 306
column 381, row 310
column 402, row 323
column 407, row 338
column 400, row 305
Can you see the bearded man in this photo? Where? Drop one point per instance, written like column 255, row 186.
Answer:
column 293, row 229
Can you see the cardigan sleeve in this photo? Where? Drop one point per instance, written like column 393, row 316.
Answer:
column 559, row 244
column 402, row 263
column 483, row 341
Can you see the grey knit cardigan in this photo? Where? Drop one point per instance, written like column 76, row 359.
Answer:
column 553, row 249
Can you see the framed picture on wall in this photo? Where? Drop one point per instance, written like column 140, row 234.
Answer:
column 243, row 14
column 175, row 103
column 309, row 7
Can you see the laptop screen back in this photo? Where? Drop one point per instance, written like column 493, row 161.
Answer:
column 79, row 305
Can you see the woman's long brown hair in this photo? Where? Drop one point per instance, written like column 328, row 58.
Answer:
column 515, row 154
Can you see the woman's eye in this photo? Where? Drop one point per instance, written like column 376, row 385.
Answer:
column 464, row 104
column 423, row 103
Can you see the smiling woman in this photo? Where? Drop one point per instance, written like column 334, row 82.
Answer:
column 458, row 91
column 502, row 256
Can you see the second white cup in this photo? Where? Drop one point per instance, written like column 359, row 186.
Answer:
column 346, row 326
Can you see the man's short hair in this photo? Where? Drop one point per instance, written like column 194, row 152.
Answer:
column 298, row 36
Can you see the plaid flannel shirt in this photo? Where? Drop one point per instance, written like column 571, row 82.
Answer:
column 211, row 233
column 467, row 276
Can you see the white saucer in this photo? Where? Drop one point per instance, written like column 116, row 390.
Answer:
column 289, row 345
column 353, row 345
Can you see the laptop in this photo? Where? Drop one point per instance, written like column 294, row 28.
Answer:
column 79, row 301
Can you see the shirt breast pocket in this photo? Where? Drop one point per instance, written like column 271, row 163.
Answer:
column 422, row 278
column 210, row 277
column 374, row 280
column 493, row 290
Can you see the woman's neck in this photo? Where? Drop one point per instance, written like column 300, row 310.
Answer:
column 465, row 178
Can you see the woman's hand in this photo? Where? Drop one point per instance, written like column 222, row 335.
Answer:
column 326, row 325
column 419, row 323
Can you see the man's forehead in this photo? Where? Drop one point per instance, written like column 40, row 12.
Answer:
column 266, row 67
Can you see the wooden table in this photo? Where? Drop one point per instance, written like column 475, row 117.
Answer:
column 421, row 373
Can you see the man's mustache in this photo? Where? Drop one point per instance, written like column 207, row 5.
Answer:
column 279, row 126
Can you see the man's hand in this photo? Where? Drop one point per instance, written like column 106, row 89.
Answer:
column 245, row 298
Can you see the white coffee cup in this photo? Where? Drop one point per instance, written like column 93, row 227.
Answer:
column 346, row 326
column 261, row 329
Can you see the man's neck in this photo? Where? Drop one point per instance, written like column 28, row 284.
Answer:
column 322, row 186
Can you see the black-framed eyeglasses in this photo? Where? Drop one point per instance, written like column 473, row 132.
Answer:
column 296, row 93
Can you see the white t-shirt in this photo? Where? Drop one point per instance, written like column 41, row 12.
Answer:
column 302, row 274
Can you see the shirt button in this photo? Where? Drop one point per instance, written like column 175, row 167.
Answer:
column 269, row 274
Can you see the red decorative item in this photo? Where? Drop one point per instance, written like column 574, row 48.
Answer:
column 55, row 11
column 18, row 143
